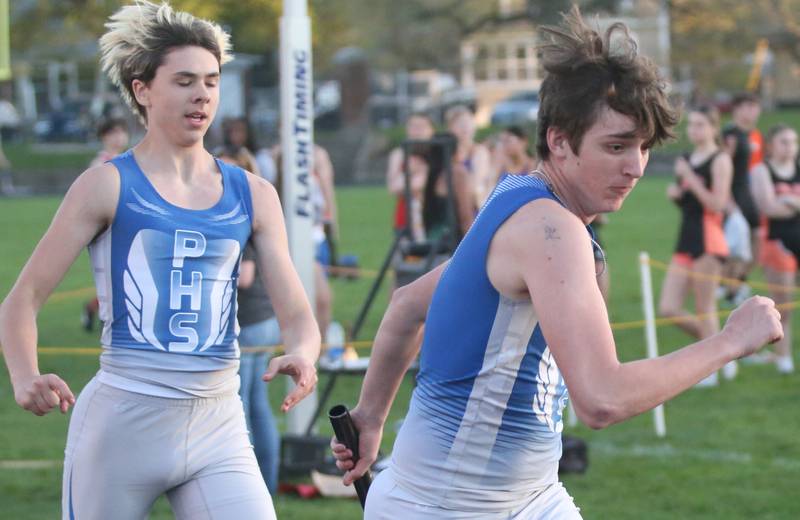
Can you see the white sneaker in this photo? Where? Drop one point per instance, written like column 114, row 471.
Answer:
column 759, row 358
column 712, row 380
column 741, row 294
column 785, row 364
column 730, row 370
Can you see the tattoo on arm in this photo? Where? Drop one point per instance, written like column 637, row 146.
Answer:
column 551, row 233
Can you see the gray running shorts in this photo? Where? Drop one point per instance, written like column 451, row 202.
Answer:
column 124, row 450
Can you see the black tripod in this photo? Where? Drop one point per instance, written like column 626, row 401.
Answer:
column 404, row 244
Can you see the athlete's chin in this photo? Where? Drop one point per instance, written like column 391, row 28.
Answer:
column 191, row 138
column 615, row 203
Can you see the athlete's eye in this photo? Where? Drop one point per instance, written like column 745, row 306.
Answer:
column 616, row 147
column 184, row 83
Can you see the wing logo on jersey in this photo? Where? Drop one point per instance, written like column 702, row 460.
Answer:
column 141, row 294
column 548, row 403
column 145, row 207
column 196, row 313
column 234, row 216
column 221, row 294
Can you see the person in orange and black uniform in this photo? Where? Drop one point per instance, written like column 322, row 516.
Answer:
column 776, row 188
column 701, row 190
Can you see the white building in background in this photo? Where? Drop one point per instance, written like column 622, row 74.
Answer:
column 498, row 62
column 501, row 59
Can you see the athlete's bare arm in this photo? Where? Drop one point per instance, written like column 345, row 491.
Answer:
column 764, row 194
column 394, row 349
column 543, row 251
column 394, row 172
column 87, row 209
column 298, row 327
column 324, row 168
column 482, row 171
column 715, row 198
column 247, row 274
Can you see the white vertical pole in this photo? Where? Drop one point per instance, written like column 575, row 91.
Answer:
column 297, row 153
column 572, row 417
column 650, row 331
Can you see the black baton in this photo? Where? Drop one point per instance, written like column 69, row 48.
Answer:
column 347, row 434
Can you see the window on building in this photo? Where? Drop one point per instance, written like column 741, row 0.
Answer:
column 482, row 63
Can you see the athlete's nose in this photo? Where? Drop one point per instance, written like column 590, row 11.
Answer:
column 635, row 163
column 202, row 95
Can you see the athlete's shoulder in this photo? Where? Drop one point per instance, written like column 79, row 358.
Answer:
column 540, row 235
column 259, row 186
column 522, row 184
column 95, row 193
column 721, row 160
column 101, row 181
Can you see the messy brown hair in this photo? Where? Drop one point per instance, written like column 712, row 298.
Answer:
column 586, row 72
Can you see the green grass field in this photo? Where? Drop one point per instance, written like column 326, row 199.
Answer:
column 731, row 451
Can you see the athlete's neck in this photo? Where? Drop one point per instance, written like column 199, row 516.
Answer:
column 742, row 125
column 559, row 185
column 160, row 157
column 704, row 149
column 783, row 165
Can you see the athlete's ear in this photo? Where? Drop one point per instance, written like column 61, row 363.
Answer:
column 557, row 142
column 141, row 92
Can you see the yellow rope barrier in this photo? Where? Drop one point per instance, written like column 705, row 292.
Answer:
column 364, row 344
column 74, row 293
column 270, row 349
column 731, row 281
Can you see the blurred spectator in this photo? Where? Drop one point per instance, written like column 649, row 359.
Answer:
column 113, row 136
column 701, row 191
column 742, row 220
column 776, row 189
column 437, row 195
column 419, row 127
column 9, row 120
column 512, row 154
column 238, row 140
column 259, row 328
column 472, row 156
column 325, row 231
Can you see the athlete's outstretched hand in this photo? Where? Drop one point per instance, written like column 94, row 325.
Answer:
column 370, row 431
column 753, row 324
column 302, row 371
column 41, row 393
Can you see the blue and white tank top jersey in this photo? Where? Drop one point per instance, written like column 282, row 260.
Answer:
column 483, row 430
column 166, row 282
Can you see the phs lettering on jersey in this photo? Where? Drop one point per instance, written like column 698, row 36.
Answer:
column 196, row 312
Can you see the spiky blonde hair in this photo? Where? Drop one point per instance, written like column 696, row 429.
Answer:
column 141, row 34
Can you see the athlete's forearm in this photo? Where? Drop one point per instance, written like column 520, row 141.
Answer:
column 714, row 201
column 301, row 336
column 635, row 387
column 18, row 338
column 395, row 347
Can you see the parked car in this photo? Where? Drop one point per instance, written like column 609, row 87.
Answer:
column 519, row 109
column 72, row 123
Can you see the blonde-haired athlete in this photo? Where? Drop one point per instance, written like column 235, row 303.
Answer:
column 165, row 224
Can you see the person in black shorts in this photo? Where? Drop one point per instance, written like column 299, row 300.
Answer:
column 776, row 189
column 742, row 218
column 701, row 192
